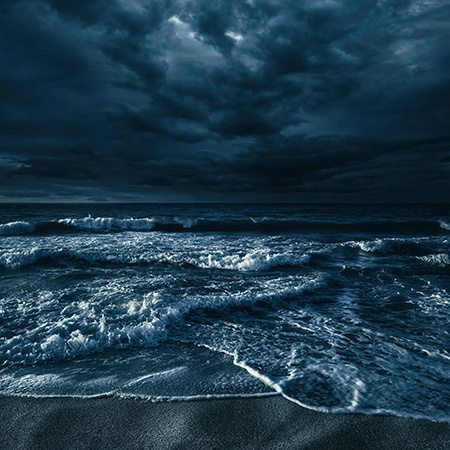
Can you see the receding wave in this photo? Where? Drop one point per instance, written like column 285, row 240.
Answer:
column 265, row 225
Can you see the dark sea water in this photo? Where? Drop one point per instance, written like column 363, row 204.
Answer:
column 341, row 308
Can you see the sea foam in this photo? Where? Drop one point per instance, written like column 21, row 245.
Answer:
column 440, row 259
column 83, row 328
column 150, row 250
column 109, row 224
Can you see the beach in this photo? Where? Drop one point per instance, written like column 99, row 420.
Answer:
column 252, row 423
column 190, row 326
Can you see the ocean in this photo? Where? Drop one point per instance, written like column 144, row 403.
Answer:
column 340, row 308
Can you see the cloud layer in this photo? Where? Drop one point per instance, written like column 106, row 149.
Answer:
column 257, row 100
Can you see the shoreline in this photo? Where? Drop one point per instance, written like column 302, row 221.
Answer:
column 271, row 422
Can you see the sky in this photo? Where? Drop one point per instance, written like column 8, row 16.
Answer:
column 224, row 101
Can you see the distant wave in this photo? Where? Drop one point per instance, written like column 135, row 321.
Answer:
column 265, row 225
column 100, row 224
column 415, row 247
column 13, row 228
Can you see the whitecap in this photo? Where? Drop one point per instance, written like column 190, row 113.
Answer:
column 109, row 223
column 19, row 227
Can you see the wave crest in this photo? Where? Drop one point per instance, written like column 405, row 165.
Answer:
column 257, row 260
column 444, row 225
column 439, row 259
column 19, row 227
column 392, row 246
column 109, row 224
column 254, row 261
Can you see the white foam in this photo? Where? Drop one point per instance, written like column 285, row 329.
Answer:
column 377, row 245
column 108, row 224
column 19, row 227
column 193, row 398
column 444, row 225
column 131, row 248
column 269, row 381
column 86, row 326
column 439, row 259
column 254, row 261
column 395, row 245
column 98, row 224
column 15, row 259
column 152, row 376
column 344, row 376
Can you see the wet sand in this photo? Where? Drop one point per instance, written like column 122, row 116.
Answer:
column 257, row 423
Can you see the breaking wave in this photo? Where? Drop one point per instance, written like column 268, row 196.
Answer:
column 416, row 247
column 100, row 224
column 145, row 322
column 13, row 228
column 254, row 261
column 439, row 259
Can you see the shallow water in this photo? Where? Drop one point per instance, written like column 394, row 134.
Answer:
column 340, row 308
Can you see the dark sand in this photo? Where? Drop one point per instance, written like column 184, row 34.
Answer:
column 258, row 423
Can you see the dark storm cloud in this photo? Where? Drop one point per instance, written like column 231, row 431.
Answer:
column 237, row 100
column 360, row 168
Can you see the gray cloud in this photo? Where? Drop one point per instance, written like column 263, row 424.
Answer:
column 238, row 100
